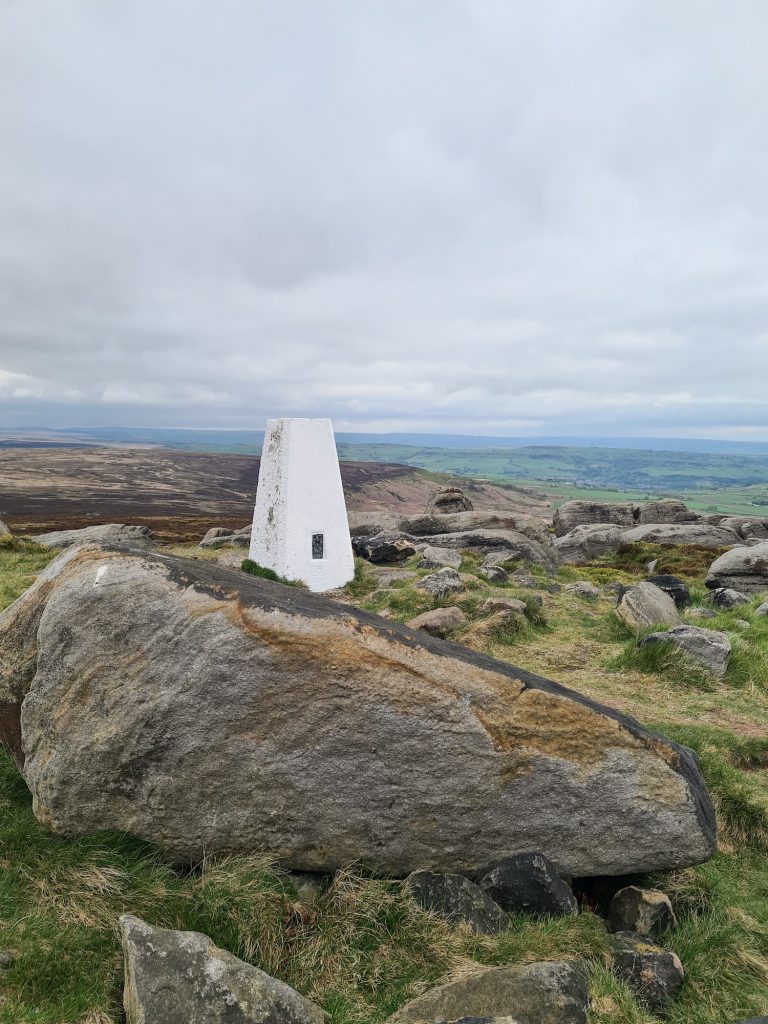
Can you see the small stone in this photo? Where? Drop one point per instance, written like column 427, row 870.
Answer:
column 708, row 647
column 436, row 558
column 214, row 532
column 583, row 588
column 762, row 609
column 701, row 613
column 727, row 597
column 178, row 977
column 503, row 604
column 643, row 605
column 742, row 624
column 442, row 583
column 643, row 911
column 529, row 883
column 439, row 622
column 7, row 959
column 458, row 900
column 674, row 587
column 654, row 974
column 494, row 574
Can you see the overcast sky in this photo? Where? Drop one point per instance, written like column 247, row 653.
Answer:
column 469, row 217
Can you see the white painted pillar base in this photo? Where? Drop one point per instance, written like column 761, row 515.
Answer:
column 300, row 512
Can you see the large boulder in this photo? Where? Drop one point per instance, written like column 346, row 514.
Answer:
column 586, row 513
column 443, row 583
column 748, row 527
column 644, row 605
column 384, row 548
column 585, row 543
column 204, row 709
column 174, row 977
column 666, row 510
column 449, row 499
column 516, row 546
column 698, row 535
column 436, row 558
column 440, row 621
column 707, row 647
column 549, row 992
column 367, row 524
column 744, row 569
column 110, row 533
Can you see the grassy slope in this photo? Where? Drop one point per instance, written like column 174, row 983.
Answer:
column 362, row 948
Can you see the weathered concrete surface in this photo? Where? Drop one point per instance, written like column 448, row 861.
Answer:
column 174, row 977
column 205, row 709
column 742, row 568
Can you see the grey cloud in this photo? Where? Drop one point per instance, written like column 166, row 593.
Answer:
column 451, row 216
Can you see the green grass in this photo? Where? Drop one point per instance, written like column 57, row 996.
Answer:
column 20, row 562
column 254, row 569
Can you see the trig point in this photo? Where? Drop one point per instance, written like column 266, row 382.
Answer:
column 300, row 527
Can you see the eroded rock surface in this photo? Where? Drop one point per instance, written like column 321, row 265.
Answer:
column 204, row 709
column 458, row 900
column 110, row 533
column 744, row 569
column 587, row 542
column 708, row 647
column 644, row 605
column 174, row 977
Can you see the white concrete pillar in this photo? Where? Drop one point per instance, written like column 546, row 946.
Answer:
column 300, row 527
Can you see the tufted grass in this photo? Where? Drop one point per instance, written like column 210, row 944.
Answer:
column 361, row 948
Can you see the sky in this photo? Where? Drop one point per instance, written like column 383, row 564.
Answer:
column 455, row 217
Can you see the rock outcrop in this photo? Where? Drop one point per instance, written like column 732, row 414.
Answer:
column 550, row 992
column 585, row 543
column 516, row 546
column 743, row 568
column 110, row 533
column 582, row 513
column 449, row 499
column 671, row 534
column 205, row 709
column 174, row 977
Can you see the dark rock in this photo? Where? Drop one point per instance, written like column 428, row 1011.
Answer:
column 528, row 883
column 181, row 703
column 643, row 605
column 674, row 587
column 174, row 977
column 744, row 569
column 440, row 621
column 654, row 974
column 449, row 499
column 708, row 647
column 643, row 911
column 441, row 583
column 550, row 992
column 458, row 900
column 384, row 548
column 494, row 574
column 727, row 597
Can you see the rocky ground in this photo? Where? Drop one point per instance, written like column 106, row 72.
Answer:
column 688, row 944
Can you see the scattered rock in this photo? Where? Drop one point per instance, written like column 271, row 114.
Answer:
column 741, row 624
column 384, row 547
column 529, row 883
column 701, row 613
column 4, row 531
column 439, row 622
column 762, row 609
column 643, row 605
column 651, row 567
column 515, row 546
column 441, row 583
column 146, row 745
column 586, row 543
column 747, row 527
column 457, row 899
column 673, row 586
column 708, row 647
column 494, row 574
column 504, row 604
column 643, row 911
column 240, row 540
column 7, row 959
column 744, row 569
column 385, row 576
column 520, row 578
column 583, row 588
column 670, row 534
column 727, row 597
column 586, row 513
column 111, row 534
column 654, row 974
column 215, row 532
column 435, row 558
column 550, row 992
column 449, row 499
column 178, row 977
